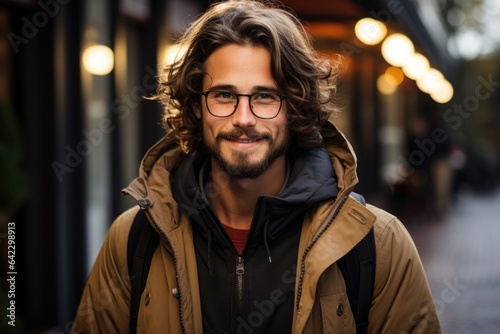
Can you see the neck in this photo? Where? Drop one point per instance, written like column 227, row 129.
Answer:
column 234, row 199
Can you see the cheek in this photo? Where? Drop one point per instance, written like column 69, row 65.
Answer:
column 284, row 132
column 209, row 129
column 284, row 124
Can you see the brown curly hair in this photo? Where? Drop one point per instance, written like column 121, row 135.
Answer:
column 307, row 80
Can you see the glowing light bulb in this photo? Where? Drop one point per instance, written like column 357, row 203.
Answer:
column 370, row 31
column 397, row 49
column 394, row 75
column 385, row 87
column 416, row 67
column 431, row 81
column 444, row 93
column 98, row 60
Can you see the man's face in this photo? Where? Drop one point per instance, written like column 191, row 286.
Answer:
column 242, row 144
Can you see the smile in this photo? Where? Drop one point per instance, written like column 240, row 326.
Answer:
column 245, row 141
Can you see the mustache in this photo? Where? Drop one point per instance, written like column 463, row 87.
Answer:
column 236, row 134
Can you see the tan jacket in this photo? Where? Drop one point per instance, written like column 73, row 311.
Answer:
column 402, row 302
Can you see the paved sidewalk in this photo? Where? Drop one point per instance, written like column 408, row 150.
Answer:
column 461, row 255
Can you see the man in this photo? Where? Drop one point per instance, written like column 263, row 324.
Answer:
column 249, row 193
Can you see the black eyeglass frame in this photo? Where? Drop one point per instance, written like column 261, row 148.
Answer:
column 282, row 97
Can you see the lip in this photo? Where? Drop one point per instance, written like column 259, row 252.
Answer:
column 244, row 142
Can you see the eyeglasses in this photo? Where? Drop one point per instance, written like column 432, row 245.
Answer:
column 263, row 104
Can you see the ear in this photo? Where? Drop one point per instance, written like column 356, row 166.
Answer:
column 197, row 110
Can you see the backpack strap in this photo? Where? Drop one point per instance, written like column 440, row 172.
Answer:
column 358, row 269
column 366, row 256
column 142, row 243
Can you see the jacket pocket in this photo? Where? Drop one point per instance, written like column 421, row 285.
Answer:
column 336, row 314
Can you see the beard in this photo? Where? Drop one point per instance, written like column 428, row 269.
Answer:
column 240, row 164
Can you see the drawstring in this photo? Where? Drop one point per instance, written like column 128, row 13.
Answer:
column 209, row 252
column 265, row 239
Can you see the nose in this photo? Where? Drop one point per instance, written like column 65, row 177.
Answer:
column 243, row 116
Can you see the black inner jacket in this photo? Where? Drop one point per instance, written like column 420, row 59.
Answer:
column 259, row 297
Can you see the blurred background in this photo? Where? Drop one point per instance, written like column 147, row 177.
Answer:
column 419, row 99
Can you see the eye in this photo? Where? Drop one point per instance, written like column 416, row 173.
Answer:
column 223, row 95
column 265, row 96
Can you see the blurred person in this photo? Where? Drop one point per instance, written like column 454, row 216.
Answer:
column 441, row 171
column 249, row 193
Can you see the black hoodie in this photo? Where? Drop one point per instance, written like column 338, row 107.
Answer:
column 251, row 291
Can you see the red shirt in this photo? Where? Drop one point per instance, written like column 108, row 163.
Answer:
column 237, row 236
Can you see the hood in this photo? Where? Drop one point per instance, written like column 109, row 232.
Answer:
column 310, row 179
column 307, row 182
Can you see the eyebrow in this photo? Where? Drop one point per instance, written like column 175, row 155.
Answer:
column 232, row 88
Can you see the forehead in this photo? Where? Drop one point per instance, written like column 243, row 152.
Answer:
column 241, row 66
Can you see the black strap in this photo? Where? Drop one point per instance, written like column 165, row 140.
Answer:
column 358, row 269
column 366, row 255
column 142, row 243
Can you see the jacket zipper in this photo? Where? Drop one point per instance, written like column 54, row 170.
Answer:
column 150, row 216
column 240, row 262
column 240, row 271
column 328, row 221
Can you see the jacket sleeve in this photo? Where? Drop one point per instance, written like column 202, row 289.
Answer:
column 402, row 300
column 105, row 302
